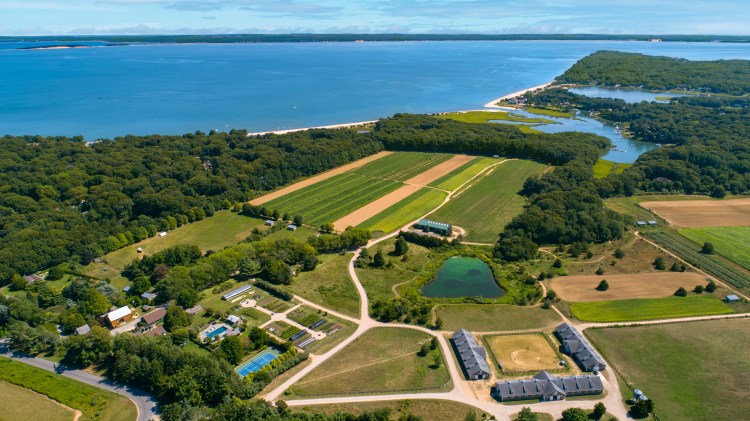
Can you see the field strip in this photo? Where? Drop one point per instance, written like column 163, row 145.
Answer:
column 317, row 178
column 624, row 286
column 359, row 367
column 439, row 170
column 702, row 213
column 373, row 208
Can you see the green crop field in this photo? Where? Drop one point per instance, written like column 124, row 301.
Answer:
column 486, row 206
column 603, row 168
column 712, row 264
column 94, row 403
column 693, row 371
column 648, row 309
column 329, row 284
column 334, row 198
column 495, row 317
column 401, row 166
column 405, row 211
column 464, row 173
column 487, row 116
column 730, row 242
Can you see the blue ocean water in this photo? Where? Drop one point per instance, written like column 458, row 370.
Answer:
column 108, row 91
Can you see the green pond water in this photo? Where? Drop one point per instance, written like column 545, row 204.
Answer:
column 463, row 277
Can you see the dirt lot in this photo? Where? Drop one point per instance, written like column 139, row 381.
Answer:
column 412, row 185
column 622, row 287
column 316, row 179
column 523, row 352
column 703, row 213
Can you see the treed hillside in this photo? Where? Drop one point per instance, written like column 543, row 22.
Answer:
column 610, row 68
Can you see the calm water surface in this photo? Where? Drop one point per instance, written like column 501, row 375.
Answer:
column 463, row 277
column 173, row 89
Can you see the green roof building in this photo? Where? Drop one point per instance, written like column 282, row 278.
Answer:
column 436, row 227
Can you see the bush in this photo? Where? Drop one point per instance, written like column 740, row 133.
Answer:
column 600, row 271
column 659, row 263
column 698, row 289
column 557, row 264
column 711, row 287
column 275, row 290
column 619, row 253
column 681, row 292
column 708, row 248
column 603, row 285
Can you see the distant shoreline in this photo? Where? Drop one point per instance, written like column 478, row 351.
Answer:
column 493, row 103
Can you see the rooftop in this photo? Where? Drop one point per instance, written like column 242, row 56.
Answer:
column 119, row 313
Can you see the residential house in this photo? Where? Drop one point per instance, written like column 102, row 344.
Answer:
column 118, row 317
column 154, row 316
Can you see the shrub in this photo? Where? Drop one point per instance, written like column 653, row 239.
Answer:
column 619, row 253
column 698, row 289
column 600, row 271
column 711, row 287
column 681, row 292
column 659, row 263
column 708, row 248
column 603, row 285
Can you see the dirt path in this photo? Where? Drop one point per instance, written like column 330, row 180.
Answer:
column 318, row 178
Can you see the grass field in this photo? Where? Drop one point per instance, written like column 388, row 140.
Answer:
column 730, row 242
column 405, row 211
column 697, row 372
column 523, row 352
column 603, row 168
column 213, row 233
column 462, row 174
column 428, row 409
column 94, row 403
column 331, row 199
column 649, row 309
column 487, row 116
column 386, row 357
column 487, row 205
column 625, row 286
column 329, row 285
column 23, row 404
column 548, row 112
column 712, row 264
column 703, row 213
column 401, row 166
column 495, row 317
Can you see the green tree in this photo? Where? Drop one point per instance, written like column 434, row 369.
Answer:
column 438, row 323
column 402, row 247
column 619, row 254
column 232, row 350
column 659, row 263
column 249, row 267
column 574, row 414
column 698, row 289
column 187, row 298
column 557, row 264
column 599, row 410
column 681, row 292
column 54, row 273
column 526, row 415
column 298, row 220
column 175, row 319
column 326, row 227
column 17, row 283
column 93, row 303
column 642, row 408
column 424, row 350
column 378, row 260
column 708, row 248
column 180, row 336
column 140, row 285
column 711, row 287
column 603, row 285
column 600, row 271
column 434, row 343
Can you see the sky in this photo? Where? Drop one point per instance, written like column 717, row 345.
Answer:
column 112, row 17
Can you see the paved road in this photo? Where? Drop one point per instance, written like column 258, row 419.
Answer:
column 145, row 404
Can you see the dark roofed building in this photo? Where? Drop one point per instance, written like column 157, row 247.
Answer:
column 575, row 345
column 473, row 357
column 32, row 278
column 154, row 316
column 157, row 331
column 546, row 387
column 432, row 226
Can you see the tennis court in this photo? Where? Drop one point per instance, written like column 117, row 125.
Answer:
column 257, row 362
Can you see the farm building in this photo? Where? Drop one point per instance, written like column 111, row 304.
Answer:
column 640, row 223
column 547, row 387
column 575, row 345
column 432, row 226
column 292, row 227
column 269, row 223
column 154, row 316
column 235, row 293
column 126, row 289
column 732, row 299
column 652, row 223
column 473, row 357
column 118, row 317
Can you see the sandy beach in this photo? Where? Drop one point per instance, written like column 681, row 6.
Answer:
column 493, row 103
column 332, row 126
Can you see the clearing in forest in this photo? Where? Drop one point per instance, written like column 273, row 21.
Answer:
column 486, row 206
column 530, row 352
column 703, row 213
column 624, row 286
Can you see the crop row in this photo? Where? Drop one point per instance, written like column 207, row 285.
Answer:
column 690, row 251
column 341, row 181
column 401, row 165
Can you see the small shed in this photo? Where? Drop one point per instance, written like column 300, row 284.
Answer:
column 126, row 289
column 652, row 223
column 82, row 330
column 148, row 296
column 269, row 223
column 732, row 299
column 162, row 234
column 233, row 319
column 640, row 223
column 292, row 227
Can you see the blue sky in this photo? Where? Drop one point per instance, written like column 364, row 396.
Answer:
column 45, row 17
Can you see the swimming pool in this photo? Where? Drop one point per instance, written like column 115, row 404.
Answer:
column 216, row 332
column 257, row 362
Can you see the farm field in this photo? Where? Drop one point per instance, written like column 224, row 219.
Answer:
column 703, row 213
column 523, row 352
column 649, row 309
column 333, row 198
column 20, row 403
column 428, row 409
column 464, row 173
column 715, row 265
column 603, row 168
column 730, row 242
column 386, row 357
column 486, row 206
column 693, row 360
column 223, row 229
column 405, row 211
column 487, row 116
column 624, row 286
column 401, row 166
column 495, row 317
column 329, row 285
column 317, row 178
column 94, row 403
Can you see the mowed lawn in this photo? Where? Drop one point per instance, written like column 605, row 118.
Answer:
column 405, row 211
column 495, row 317
column 94, row 403
column 464, row 173
column 428, row 409
column 329, row 285
column 693, row 371
column 23, row 404
column 331, row 199
column 487, row 116
column 486, row 206
column 603, row 168
column 223, row 229
column 382, row 360
column 649, row 309
column 730, row 242
column 401, row 166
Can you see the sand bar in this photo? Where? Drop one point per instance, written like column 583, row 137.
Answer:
column 332, row 126
column 493, row 103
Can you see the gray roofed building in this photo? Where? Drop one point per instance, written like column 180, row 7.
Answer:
column 473, row 357
column 32, row 278
column 148, row 296
column 732, row 299
column 547, row 387
column 575, row 345
column 82, row 330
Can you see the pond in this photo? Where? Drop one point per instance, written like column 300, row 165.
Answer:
column 631, row 96
column 463, row 277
